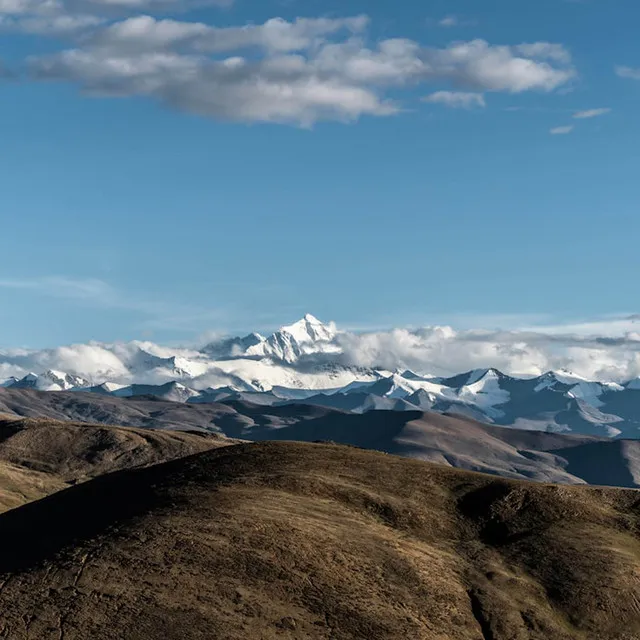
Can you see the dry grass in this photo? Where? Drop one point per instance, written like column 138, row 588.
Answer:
column 283, row 540
column 41, row 456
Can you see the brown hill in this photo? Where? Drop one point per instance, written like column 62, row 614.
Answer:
column 445, row 439
column 149, row 412
column 287, row 540
column 39, row 456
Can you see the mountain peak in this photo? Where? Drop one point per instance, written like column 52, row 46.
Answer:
column 307, row 335
column 565, row 376
column 309, row 329
column 480, row 374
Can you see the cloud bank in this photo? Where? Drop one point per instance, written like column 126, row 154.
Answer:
column 602, row 351
column 605, row 350
column 298, row 71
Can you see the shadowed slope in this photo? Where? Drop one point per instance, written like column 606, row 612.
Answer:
column 285, row 540
column 615, row 463
column 446, row 439
column 39, row 456
column 149, row 412
column 449, row 440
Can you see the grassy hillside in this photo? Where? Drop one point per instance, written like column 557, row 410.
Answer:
column 287, row 540
column 41, row 456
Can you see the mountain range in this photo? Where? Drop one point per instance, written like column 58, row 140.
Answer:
column 303, row 363
column 449, row 440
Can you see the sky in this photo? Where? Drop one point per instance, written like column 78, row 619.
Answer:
column 179, row 169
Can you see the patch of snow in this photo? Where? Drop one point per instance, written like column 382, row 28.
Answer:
column 612, row 432
column 568, row 377
column 590, row 392
column 476, row 375
column 485, row 393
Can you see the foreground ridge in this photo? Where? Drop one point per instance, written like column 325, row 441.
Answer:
column 293, row 540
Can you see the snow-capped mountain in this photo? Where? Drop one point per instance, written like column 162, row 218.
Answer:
column 48, row 381
column 290, row 343
column 305, row 362
column 298, row 357
column 232, row 347
column 551, row 402
column 172, row 367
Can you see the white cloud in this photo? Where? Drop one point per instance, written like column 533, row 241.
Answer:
column 592, row 113
column 609, row 327
column 22, row 7
column 607, row 349
column 296, row 72
column 47, row 17
column 545, row 51
column 90, row 361
column 64, row 17
column 561, row 131
column 145, row 33
column 56, row 25
column 278, row 89
column 456, row 99
column 301, row 72
column 499, row 68
column 628, row 72
column 475, row 64
column 449, row 21
column 452, row 20
column 441, row 351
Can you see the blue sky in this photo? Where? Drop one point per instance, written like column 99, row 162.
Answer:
column 377, row 163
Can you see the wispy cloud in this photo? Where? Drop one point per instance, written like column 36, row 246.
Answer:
column 591, row 113
column 632, row 73
column 452, row 20
column 449, row 21
column 456, row 99
column 63, row 287
column 538, row 109
column 612, row 326
column 561, row 131
column 157, row 314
